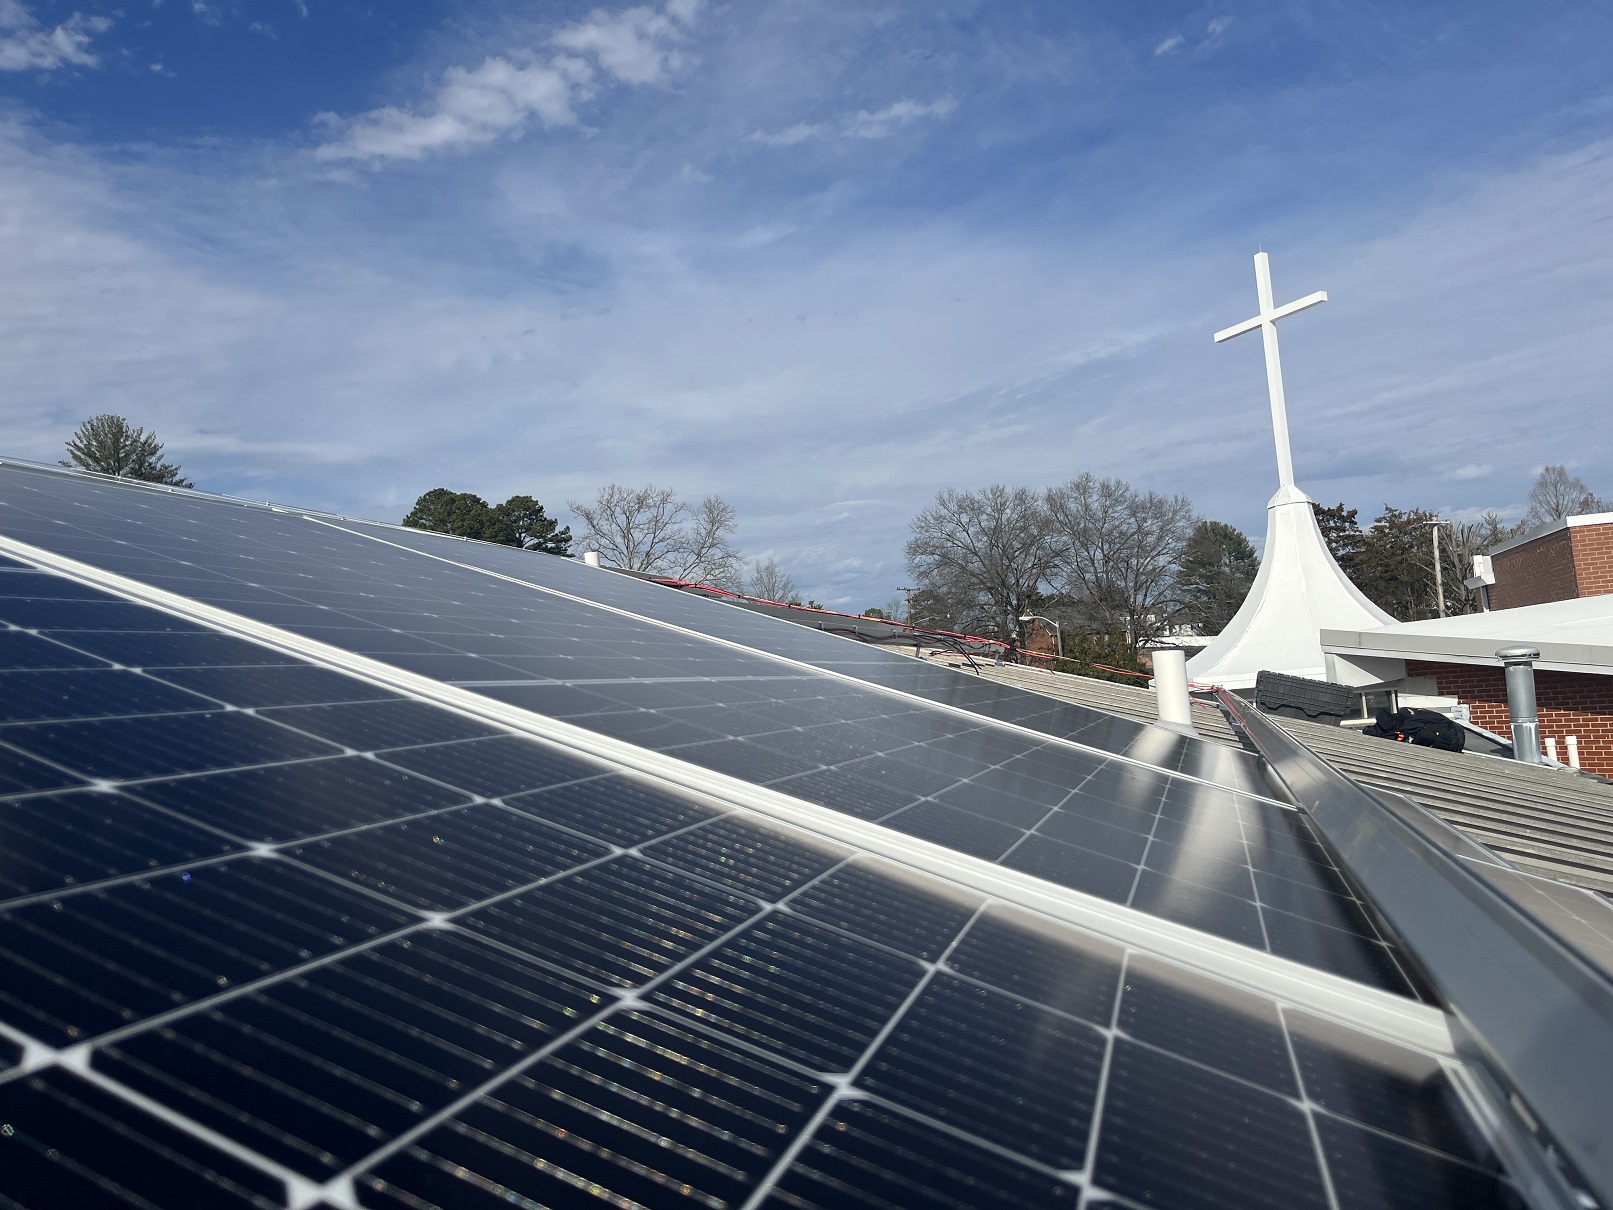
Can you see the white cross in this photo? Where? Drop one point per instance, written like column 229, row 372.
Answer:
column 1266, row 321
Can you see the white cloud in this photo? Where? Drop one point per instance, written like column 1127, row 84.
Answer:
column 472, row 106
column 1170, row 45
column 932, row 356
column 478, row 105
column 27, row 45
column 884, row 122
column 637, row 46
column 864, row 124
column 1473, row 470
column 1218, row 27
column 789, row 136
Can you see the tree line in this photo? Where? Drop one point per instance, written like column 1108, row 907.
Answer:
column 647, row 529
column 1107, row 563
column 1392, row 560
column 1114, row 566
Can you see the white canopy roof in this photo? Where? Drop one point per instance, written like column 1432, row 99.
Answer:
column 1299, row 592
column 1575, row 635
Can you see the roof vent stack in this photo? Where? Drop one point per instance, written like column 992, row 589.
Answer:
column 1520, row 665
column 1170, row 689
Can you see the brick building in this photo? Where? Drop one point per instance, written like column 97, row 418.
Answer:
column 1552, row 589
column 1572, row 557
column 1455, row 657
column 1569, row 703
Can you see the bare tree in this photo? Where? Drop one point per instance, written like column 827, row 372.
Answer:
column 1557, row 494
column 708, row 553
column 650, row 529
column 770, row 582
column 1118, row 550
column 113, row 446
column 986, row 554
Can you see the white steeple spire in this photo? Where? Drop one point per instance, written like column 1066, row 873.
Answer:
column 1266, row 321
column 1300, row 590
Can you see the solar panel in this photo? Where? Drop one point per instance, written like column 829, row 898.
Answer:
column 363, row 953
column 819, row 649
column 1088, row 818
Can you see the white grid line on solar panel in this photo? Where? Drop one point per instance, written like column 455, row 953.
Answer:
column 1019, row 1156
column 933, row 799
column 731, row 1039
column 765, row 1186
column 74, row 1055
column 334, row 1187
column 781, row 733
column 627, row 1002
column 768, row 634
column 302, row 577
column 1212, row 752
column 523, row 722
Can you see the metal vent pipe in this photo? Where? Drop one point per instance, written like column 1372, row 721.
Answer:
column 1520, row 666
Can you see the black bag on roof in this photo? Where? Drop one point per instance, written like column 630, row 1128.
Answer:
column 1425, row 728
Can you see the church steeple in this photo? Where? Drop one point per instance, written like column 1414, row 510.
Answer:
column 1301, row 590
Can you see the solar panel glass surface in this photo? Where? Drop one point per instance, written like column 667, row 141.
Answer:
column 372, row 947
column 1088, row 818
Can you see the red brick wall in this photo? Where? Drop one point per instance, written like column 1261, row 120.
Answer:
column 1569, row 703
column 1593, row 559
column 1542, row 570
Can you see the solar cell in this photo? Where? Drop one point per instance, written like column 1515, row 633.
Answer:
column 1208, row 1022
column 318, row 1069
column 1174, row 1133
column 67, row 1142
column 450, row 858
column 995, row 1066
column 865, row 1155
column 1372, row 1169
column 51, row 841
column 637, row 1109
column 126, row 952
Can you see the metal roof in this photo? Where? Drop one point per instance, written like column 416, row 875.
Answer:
column 1545, row 821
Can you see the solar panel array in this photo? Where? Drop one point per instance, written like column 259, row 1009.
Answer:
column 1136, row 815
column 271, row 935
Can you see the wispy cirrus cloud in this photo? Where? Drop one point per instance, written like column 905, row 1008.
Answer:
column 26, row 45
column 864, row 124
column 1212, row 35
column 507, row 92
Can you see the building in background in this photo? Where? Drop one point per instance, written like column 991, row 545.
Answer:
column 1571, row 557
column 1551, row 589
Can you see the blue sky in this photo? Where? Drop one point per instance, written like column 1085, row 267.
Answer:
column 822, row 258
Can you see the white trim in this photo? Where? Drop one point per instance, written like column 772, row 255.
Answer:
column 1306, row 987
column 813, row 669
column 1551, row 527
column 1461, row 649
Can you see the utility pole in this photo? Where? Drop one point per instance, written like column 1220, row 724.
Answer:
column 1439, row 574
column 908, row 593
